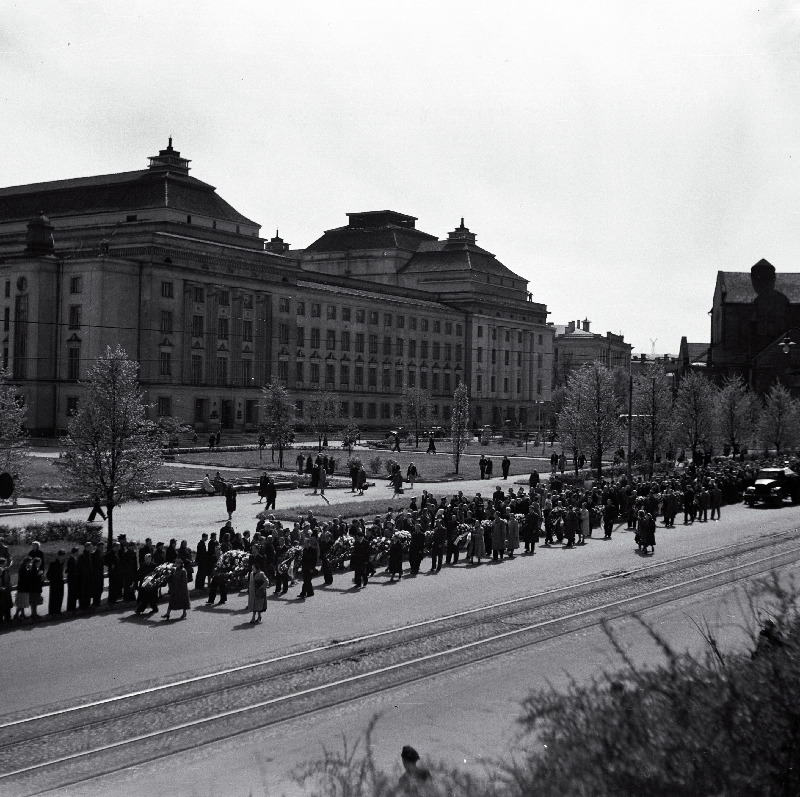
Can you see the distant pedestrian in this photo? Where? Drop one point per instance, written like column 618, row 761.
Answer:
column 271, row 492
column 411, row 474
column 230, row 500
column 431, row 446
column 506, row 466
column 211, row 441
column 218, row 438
column 96, row 510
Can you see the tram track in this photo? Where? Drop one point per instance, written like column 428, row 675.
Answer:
column 69, row 745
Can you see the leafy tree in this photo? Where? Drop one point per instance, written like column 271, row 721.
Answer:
column 277, row 412
column 652, row 420
column 114, row 452
column 13, row 438
column 589, row 419
column 417, row 410
column 735, row 408
column 459, row 423
column 694, row 411
column 323, row 409
column 779, row 420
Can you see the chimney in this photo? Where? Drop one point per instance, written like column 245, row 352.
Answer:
column 585, row 324
column 570, row 327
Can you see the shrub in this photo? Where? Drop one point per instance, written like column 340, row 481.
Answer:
column 354, row 462
column 391, row 464
column 53, row 531
column 375, row 464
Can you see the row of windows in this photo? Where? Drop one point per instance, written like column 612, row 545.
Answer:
column 332, row 312
column 371, row 410
column 506, row 336
column 506, row 357
column 402, row 377
column 506, row 385
column 359, row 338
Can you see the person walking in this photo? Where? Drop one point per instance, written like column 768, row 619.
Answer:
column 262, row 487
column 270, row 492
column 323, row 478
column 178, row 591
column 97, row 509
column 256, row 592
column 411, row 474
column 308, row 563
column 506, row 466
column 360, row 560
column 416, row 550
column 230, row 500
column 147, row 595
column 202, row 562
column 431, row 446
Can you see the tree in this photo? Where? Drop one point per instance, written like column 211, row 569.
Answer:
column 779, row 420
column 459, row 423
column 114, row 452
column 735, row 409
column 323, row 409
column 417, row 410
column 277, row 412
column 652, row 414
column 694, row 412
column 589, row 419
column 13, row 438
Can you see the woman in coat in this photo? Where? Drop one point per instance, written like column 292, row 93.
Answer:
column 230, row 500
column 256, row 592
column 262, row 486
column 476, row 546
column 395, row 558
column 178, row 591
column 498, row 537
column 25, row 582
column 513, row 535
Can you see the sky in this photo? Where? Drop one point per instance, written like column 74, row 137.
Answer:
column 616, row 154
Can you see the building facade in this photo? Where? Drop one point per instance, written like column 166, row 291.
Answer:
column 156, row 261
column 574, row 345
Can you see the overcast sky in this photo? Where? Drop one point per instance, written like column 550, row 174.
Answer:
column 615, row 154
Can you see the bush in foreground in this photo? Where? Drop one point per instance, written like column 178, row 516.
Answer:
column 714, row 724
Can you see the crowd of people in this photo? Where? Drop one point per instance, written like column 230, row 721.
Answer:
column 494, row 527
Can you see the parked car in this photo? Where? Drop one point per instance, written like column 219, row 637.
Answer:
column 772, row 486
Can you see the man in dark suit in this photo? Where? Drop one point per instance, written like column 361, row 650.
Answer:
column 202, row 562
column 55, row 575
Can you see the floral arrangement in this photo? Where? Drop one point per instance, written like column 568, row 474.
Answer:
column 464, row 536
column 405, row 539
column 290, row 558
column 341, row 551
column 233, row 566
column 487, row 524
column 159, row 577
column 520, row 518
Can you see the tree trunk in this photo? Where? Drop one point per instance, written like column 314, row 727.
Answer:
column 280, row 456
column 110, row 516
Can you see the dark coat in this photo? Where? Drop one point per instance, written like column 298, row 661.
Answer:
column 396, row 558
column 179, row 590
column 230, row 499
column 55, row 575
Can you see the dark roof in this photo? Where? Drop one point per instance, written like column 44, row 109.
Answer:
column 124, row 192
column 442, row 256
column 391, row 236
column 697, row 352
column 738, row 286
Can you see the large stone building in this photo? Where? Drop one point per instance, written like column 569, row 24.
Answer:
column 755, row 327
column 156, row 261
column 575, row 345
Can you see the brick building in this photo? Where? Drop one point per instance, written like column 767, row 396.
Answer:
column 156, row 261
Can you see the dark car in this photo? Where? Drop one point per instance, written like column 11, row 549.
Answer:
column 772, row 486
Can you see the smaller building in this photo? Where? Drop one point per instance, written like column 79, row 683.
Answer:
column 692, row 357
column 574, row 345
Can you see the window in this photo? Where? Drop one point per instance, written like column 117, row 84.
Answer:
column 448, row 351
column 459, row 352
column 314, row 373
column 301, row 308
column 299, row 368
column 330, row 375
column 435, row 381
column 492, row 386
column 508, row 338
column 373, row 317
column 494, row 333
column 198, row 294
column 505, row 384
column 412, row 323
column 423, row 380
column 301, row 337
column 247, row 331
column 447, row 386
column 539, row 387
column 448, row 327
column 480, row 332
column 166, row 322
column 386, row 410
column 519, row 359
column 459, row 330
column 344, row 375
column 358, row 409
column 72, row 405
column 165, row 363
column 283, row 371
column 316, row 309
column 412, row 378
column 6, row 320
column 387, row 319
column 344, row 409
column 387, row 377
column 359, row 375
column 540, row 340
column 75, row 286
column 398, row 379
column 539, row 360
column 372, row 376
column 196, row 369
column 74, row 316
column 494, row 356
column 298, row 409
column 373, row 344
column 222, row 328
column 224, row 298
column 479, row 383
column 435, row 350
column 519, row 385
column 247, row 301
column 330, row 339
column 424, row 324
column 519, row 337
column 371, row 411
column 164, row 406
column 250, row 411
column 401, row 321
column 283, row 304
column 437, row 327
column 222, row 370
column 331, row 312
column 344, row 341
column 345, row 314
column 247, row 373
column 423, row 349
column 166, row 290
column 387, row 346
column 359, row 342
column 507, row 357
column 359, row 316
column 197, row 326
column 398, row 347
column 412, row 348
column 314, row 337
column 73, row 362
